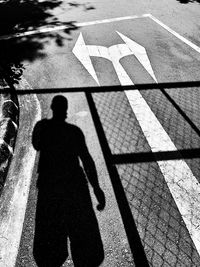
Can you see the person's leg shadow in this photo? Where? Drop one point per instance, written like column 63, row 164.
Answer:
column 66, row 212
column 64, row 207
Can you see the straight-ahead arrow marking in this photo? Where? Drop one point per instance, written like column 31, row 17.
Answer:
column 81, row 52
column 113, row 53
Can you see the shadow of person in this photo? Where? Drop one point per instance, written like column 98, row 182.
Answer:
column 64, row 207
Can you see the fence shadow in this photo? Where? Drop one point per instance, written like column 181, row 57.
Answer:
column 111, row 160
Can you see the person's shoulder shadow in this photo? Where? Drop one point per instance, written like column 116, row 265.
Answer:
column 64, row 206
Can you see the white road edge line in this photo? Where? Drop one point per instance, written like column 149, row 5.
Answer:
column 64, row 27
column 183, row 39
column 12, row 224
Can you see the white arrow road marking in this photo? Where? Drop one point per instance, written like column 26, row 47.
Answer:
column 182, row 184
column 81, row 52
column 114, row 53
column 140, row 53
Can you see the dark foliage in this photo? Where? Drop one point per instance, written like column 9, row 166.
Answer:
column 20, row 16
column 188, row 1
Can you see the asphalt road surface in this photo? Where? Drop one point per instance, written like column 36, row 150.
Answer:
column 145, row 143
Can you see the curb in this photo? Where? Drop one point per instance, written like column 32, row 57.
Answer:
column 9, row 121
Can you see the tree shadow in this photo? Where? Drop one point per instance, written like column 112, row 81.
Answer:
column 19, row 16
column 64, row 206
column 188, row 1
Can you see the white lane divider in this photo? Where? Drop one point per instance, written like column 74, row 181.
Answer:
column 11, row 223
column 182, row 184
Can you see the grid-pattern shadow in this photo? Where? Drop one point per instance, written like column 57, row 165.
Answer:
column 161, row 228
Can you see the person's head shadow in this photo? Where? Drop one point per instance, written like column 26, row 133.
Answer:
column 64, row 206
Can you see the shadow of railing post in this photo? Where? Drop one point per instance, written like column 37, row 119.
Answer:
column 134, row 240
column 181, row 112
column 112, row 160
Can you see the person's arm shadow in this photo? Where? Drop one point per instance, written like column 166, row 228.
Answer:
column 91, row 173
column 36, row 136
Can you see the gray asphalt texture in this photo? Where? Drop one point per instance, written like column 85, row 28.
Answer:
column 164, row 236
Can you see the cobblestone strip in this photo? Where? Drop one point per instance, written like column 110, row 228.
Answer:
column 9, row 119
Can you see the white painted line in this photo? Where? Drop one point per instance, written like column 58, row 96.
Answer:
column 90, row 23
column 113, row 53
column 82, row 24
column 64, row 27
column 11, row 223
column 81, row 52
column 182, row 184
column 183, row 39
